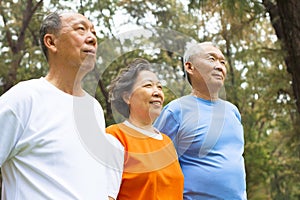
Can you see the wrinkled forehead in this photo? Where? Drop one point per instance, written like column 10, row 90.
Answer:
column 74, row 18
column 205, row 50
column 145, row 77
column 209, row 49
column 212, row 50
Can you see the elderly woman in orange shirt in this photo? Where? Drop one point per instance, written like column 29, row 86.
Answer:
column 151, row 168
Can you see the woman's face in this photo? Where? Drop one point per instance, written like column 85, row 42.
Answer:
column 146, row 99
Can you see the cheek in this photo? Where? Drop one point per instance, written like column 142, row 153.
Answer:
column 163, row 96
column 138, row 99
column 202, row 74
column 76, row 41
column 225, row 71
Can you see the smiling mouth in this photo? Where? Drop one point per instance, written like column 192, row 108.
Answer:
column 156, row 103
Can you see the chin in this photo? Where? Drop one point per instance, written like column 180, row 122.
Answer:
column 88, row 63
column 87, row 68
column 154, row 115
column 217, row 85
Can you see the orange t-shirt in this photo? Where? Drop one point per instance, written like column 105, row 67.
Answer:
column 151, row 168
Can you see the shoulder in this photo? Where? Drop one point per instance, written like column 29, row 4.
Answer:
column 230, row 105
column 178, row 104
column 22, row 93
column 166, row 137
column 233, row 108
column 114, row 141
column 31, row 84
column 112, row 128
column 115, row 130
column 24, row 87
column 181, row 100
column 96, row 104
column 112, row 133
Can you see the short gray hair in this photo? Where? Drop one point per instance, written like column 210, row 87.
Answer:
column 192, row 50
column 51, row 24
column 195, row 49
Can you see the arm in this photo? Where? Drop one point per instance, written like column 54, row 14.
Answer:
column 115, row 170
column 11, row 130
column 168, row 123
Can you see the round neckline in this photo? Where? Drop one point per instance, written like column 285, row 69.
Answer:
column 53, row 87
column 157, row 136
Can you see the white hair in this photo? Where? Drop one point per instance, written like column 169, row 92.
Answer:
column 194, row 49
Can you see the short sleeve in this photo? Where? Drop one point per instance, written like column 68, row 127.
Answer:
column 115, row 171
column 11, row 130
column 167, row 123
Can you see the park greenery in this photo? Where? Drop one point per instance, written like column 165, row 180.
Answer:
column 261, row 42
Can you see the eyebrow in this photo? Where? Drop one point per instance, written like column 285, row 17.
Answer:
column 87, row 24
column 215, row 55
column 150, row 80
column 83, row 22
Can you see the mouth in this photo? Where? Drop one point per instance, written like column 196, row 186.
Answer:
column 218, row 76
column 90, row 51
column 156, row 103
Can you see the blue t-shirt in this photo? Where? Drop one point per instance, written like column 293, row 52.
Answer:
column 208, row 136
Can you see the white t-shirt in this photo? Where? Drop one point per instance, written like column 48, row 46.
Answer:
column 53, row 145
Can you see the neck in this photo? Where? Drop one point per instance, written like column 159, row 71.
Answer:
column 67, row 84
column 212, row 96
column 141, row 125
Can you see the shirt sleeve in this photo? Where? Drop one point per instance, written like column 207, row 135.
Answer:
column 11, row 129
column 168, row 123
column 115, row 170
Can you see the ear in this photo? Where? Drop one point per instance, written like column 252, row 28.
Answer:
column 189, row 68
column 49, row 41
column 126, row 97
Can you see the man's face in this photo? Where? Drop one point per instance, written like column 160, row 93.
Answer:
column 77, row 42
column 210, row 67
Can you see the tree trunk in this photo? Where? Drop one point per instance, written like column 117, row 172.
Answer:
column 17, row 46
column 285, row 18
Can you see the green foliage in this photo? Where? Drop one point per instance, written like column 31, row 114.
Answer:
column 20, row 53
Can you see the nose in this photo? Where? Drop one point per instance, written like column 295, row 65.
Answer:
column 91, row 38
column 157, row 92
column 220, row 67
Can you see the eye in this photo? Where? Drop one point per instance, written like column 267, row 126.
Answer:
column 223, row 62
column 94, row 32
column 211, row 58
column 81, row 29
column 147, row 85
column 159, row 86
